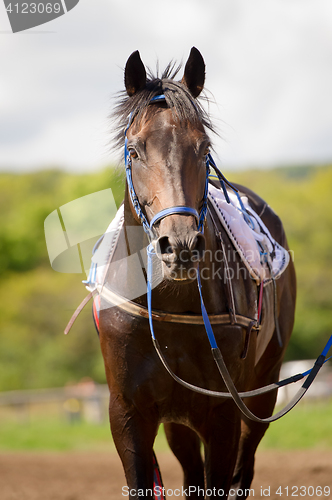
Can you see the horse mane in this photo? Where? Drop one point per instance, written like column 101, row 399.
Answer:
column 185, row 107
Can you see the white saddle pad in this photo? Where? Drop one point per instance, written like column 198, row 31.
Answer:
column 253, row 242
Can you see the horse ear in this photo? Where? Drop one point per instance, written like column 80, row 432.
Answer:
column 194, row 72
column 135, row 74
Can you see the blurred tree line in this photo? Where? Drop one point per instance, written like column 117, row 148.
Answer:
column 36, row 302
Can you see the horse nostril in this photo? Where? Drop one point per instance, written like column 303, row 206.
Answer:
column 169, row 251
column 164, row 249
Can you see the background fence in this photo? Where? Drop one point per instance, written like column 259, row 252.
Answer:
column 88, row 401
column 85, row 401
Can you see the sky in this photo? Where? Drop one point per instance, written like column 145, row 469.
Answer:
column 268, row 70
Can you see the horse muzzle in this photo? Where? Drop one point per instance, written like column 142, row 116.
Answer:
column 180, row 255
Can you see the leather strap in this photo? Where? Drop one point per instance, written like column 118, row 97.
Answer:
column 78, row 310
column 247, row 340
column 166, row 317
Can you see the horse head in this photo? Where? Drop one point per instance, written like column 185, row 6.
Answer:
column 167, row 145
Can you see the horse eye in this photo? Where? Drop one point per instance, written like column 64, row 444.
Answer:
column 133, row 154
column 206, row 151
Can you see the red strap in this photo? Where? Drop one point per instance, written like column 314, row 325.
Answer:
column 96, row 309
column 158, row 487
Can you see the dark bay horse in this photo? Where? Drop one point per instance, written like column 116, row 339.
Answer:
column 167, row 143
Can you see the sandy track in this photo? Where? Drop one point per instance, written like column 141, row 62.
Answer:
column 99, row 476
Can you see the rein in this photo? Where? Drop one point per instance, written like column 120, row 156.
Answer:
column 216, row 353
column 219, row 360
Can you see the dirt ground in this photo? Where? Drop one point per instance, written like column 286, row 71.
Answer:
column 99, row 476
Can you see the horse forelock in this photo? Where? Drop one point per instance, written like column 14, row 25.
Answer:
column 177, row 96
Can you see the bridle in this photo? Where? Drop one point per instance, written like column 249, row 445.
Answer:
column 217, row 356
column 180, row 210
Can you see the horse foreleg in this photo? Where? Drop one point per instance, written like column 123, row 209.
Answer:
column 221, row 444
column 185, row 444
column 134, row 436
column 251, row 435
column 266, row 372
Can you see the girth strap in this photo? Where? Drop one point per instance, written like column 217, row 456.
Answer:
column 140, row 311
column 166, row 317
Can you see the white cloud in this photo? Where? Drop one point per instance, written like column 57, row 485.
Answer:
column 268, row 67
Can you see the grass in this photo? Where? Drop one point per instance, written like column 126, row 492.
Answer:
column 54, row 435
column 308, row 426
column 59, row 435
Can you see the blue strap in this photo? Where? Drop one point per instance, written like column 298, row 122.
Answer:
column 150, row 253
column 210, row 161
column 160, row 97
column 135, row 201
column 203, row 213
column 207, row 324
column 174, row 210
column 244, row 212
column 304, row 374
column 327, row 347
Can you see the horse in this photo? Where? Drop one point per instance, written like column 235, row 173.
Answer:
column 166, row 131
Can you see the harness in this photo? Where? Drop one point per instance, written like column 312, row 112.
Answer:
column 153, row 315
column 216, row 353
